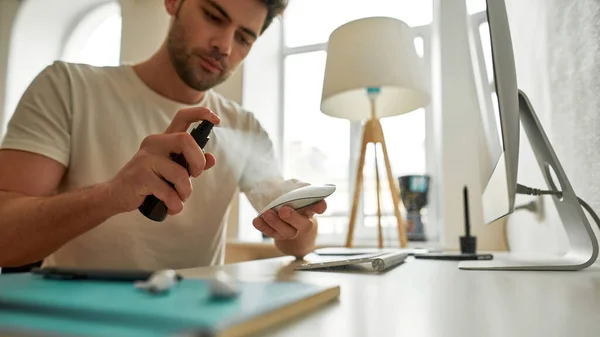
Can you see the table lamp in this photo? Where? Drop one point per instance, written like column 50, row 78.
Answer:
column 373, row 71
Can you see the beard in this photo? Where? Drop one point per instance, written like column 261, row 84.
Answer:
column 185, row 61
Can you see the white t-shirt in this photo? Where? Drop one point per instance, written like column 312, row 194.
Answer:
column 93, row 119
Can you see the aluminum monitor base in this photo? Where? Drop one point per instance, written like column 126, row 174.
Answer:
column 583, row 250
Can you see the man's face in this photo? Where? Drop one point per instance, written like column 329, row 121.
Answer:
column 209, row 39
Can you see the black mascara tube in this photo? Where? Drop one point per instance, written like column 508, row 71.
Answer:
column 154, row 208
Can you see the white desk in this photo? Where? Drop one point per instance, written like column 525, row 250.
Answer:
column 435, row 298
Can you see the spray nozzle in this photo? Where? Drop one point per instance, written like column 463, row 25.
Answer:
column 201, row 133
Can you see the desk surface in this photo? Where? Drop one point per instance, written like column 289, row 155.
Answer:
column 435, row 298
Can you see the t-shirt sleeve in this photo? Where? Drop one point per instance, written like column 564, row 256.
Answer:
column 262, row 179
column 41, row 122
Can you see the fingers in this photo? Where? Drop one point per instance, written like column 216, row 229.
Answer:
column 263, row 227
column 185, row 143
column 210, row 160
column 282, row 228
column 175, row 174
column 318, row 208
column 157, row 186
column 180, row 142
column 289, row 223
column 185, row 117
column 299, row 221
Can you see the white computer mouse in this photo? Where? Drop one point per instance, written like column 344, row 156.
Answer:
column 301, row 197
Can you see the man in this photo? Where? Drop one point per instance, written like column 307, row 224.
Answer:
column 86, row 145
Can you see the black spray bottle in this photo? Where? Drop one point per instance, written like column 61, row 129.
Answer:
column 154, row 208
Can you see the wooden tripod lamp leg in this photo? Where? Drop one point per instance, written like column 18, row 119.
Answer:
column 395, row 197
column 379, row 228
column 357, row 188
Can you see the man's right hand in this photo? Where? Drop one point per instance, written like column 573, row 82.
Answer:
column 143, row 174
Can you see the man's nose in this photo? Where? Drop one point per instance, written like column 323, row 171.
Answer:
column 223, row 42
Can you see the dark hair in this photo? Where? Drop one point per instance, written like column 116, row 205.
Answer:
column 274, row 8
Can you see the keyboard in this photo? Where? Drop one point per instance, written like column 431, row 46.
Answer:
column 378, row 262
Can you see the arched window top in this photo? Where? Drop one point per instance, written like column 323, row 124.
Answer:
column 96, row 38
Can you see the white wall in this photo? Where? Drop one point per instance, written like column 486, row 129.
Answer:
column 557, row 55
column 525, row 231
column 144, row 27
column 8, row 12
column 456, row 123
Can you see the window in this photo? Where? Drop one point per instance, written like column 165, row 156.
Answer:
column 325, row 15
column 96, row 39
column 322, row 149
column 307, row 155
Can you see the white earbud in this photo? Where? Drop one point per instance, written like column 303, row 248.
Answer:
column 159, row 282
column 222, row 286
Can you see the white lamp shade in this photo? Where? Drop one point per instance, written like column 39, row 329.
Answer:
column 372, row 52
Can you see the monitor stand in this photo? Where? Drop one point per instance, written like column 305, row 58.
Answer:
column 583, row 250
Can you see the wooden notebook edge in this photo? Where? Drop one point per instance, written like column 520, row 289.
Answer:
column 283, row 314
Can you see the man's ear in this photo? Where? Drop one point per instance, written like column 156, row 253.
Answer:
column 172, row 6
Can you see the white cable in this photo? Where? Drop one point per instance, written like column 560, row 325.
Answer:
column 590, row 211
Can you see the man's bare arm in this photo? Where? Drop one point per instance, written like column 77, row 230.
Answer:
column 31, row 228
column 35, row 221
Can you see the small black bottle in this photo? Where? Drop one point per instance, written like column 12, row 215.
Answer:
column 154, row 208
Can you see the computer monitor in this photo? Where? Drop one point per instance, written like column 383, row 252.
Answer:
column 499, row 115
column 501, row 127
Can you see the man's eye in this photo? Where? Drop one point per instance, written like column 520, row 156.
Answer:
column 212, row 17
column 243, row 40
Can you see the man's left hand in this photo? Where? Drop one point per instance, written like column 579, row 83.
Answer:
column 288, row 224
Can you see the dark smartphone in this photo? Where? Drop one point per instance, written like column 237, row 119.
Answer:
column 123, row 275
column 454, row 257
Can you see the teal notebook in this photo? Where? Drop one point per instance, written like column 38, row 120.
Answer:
column 33, row 304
